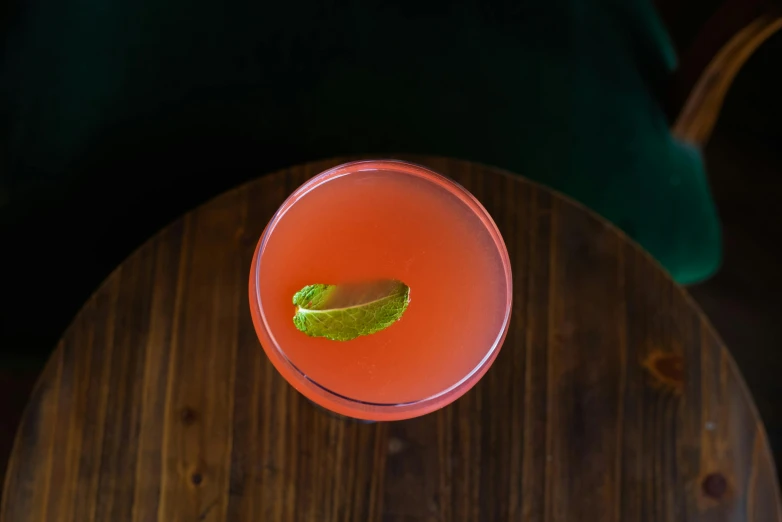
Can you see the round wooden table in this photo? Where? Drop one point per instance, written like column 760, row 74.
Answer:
column 612, row 399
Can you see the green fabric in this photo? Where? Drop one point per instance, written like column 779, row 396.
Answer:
column 563, row 92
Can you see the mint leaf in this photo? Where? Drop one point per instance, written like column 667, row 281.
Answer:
column 344, row 312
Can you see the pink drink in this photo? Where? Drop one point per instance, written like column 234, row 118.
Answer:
column 385, row 220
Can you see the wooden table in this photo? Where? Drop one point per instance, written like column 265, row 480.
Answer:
column 612, row 399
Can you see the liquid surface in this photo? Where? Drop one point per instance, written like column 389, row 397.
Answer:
column 386, row 225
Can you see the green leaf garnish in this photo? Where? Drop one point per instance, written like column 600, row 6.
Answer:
column 344, row 312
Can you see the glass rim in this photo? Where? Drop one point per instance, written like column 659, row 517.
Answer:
column 335, row 401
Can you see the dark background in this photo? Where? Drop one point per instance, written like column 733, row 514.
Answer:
column 744, row 161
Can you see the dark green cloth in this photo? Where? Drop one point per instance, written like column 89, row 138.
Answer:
column 153, row 95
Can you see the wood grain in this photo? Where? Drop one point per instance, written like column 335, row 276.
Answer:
column 612, row 399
